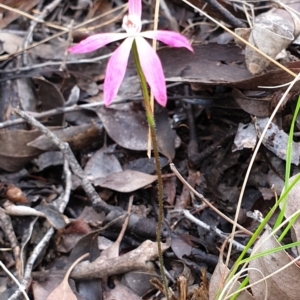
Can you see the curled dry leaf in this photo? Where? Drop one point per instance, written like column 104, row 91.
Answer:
column 272, row 32
column 283, row 285
column 15, row 152
column 256, row 104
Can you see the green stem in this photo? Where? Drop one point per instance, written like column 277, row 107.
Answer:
column 151, row 123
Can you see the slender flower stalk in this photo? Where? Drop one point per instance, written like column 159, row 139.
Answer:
column 151, row 123
column 149, row 70
column 149, row 60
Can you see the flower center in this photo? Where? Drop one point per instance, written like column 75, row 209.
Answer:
column 132, row 24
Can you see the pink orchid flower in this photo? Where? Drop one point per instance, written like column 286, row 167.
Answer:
column 149, row 60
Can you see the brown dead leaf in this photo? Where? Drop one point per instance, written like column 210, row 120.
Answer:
column 127, row 125
column 257, row 104
column 9, row 15
column 14, row 151
column 50, row 97
column 283, row 285
column 217, row 283
column 126, row 181
column 101, row 164
column 213, row 64
column 63, row 291
column 272, row 32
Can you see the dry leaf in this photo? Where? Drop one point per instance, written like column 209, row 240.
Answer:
column 15, row 153
column 245, row 137
column 217, row 282
column 276, row 140
column 102, row 164
column 127, row 125
column 126, row 181
column 292, row 205
column 10, row 16
column 283, row 285
column 63, row 291
column 272, row 32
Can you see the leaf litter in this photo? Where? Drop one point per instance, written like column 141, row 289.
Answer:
column 53, row 212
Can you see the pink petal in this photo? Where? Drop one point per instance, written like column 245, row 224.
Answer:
column 96, row 41
column 115, row 71
column 153, row 70
column 135, row 7
column 171, row 38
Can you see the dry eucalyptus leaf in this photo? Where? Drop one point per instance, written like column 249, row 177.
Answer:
column 127, row 125
column 48, row 159
column 102, row 164
column 63, row 291
column 257, row 104
column 14, row 151
column 283, row 285
column 272, row 32
column 276, row 140
column 42, row 289
column 50, row 97
column 126, row 181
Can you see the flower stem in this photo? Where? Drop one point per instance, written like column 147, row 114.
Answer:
column 151, row 123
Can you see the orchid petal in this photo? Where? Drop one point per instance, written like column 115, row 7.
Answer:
column 96, row 41
column 152, row 70
column 171, row 38
column 115, row 70
column 135, row 7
